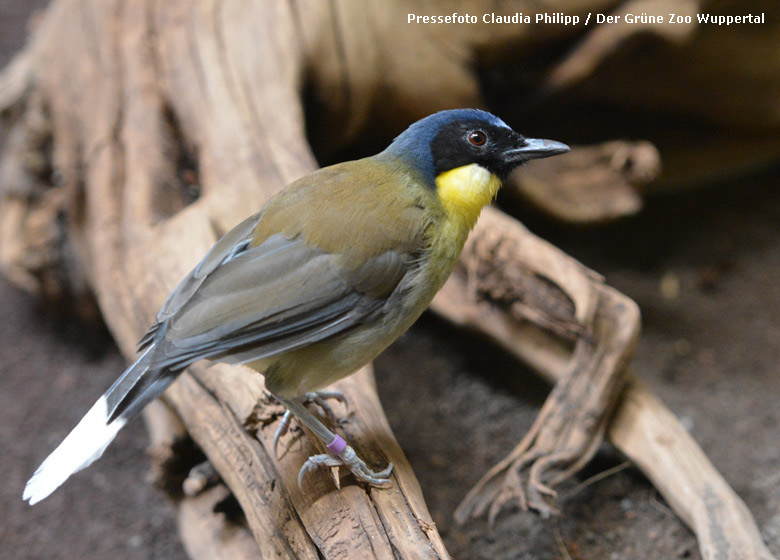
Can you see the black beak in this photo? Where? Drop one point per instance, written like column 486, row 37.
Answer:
column 535, row 148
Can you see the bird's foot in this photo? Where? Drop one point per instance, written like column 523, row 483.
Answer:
column 345, row 456
column 319, row 398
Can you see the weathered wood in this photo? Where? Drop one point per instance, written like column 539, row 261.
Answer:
column 642, row 427
column 205, row 533
column 178, row 135
column 140, row 131
column 591, row 184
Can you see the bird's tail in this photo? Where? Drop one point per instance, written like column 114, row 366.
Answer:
column 138, row 385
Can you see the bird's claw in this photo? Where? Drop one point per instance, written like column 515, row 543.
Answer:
column 349, row 459
column 320, row 398
column 284, row 425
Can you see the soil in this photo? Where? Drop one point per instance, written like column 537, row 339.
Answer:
column 704, row 267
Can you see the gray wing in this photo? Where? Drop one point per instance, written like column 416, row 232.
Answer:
column 247, row 303
column 228, row 247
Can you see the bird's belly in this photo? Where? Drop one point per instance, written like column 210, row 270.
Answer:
column 323, row 363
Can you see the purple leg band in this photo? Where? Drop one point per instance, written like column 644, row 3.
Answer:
column 337, row 445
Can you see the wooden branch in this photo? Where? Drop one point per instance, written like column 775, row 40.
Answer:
column 572, row 421
column 141, row 131
column 205, row 533
column 207, row 536
column 642, row 428
column 590, row 184
column 174, row 143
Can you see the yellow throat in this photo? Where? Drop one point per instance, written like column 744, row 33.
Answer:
column 465, row 191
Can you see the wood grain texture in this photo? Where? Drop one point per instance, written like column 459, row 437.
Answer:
column 141, row 131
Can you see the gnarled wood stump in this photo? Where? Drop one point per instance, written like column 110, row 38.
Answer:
column 141, row 131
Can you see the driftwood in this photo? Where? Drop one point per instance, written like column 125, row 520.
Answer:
column 141, row 131
column 642, row 427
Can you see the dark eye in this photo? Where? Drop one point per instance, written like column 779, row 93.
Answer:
column 477, row 137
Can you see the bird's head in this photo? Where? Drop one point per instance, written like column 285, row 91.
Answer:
column 465, row 154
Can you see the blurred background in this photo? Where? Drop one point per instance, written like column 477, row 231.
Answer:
column 696, row 242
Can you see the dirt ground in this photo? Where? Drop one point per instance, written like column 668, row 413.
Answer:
column 712, row 352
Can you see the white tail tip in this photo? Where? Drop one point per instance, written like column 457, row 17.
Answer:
column 84, row 444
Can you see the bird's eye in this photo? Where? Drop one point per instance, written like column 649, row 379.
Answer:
column 477, row 137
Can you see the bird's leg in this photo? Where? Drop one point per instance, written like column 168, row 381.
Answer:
column 320, row 399
column 342, row 453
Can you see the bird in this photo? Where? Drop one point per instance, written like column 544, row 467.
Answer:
column 330, row 271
